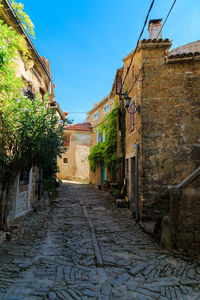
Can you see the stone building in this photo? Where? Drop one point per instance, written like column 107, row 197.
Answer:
column 73, row 164
column 37, row 77
column 162, row 136
column 97, row 116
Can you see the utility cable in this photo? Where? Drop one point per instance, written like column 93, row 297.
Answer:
column 145, row 22
column 136, row 79
column 98, row 124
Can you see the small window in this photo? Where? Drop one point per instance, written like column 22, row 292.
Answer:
column 66, row 141
column 24, row 177
column 42, row 93
column 29, row 92
column 65, row 160
column 106, row 108
column 96, row 115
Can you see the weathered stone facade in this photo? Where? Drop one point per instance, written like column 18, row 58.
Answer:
column 74, row 164
column 96, row 116
column 166, row 86
column 184, row 210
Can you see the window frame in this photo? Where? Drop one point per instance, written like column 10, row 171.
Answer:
column 96, row 117
column 105, row 110
column 63, row 160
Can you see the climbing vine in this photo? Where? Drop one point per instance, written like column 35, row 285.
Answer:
column 106, row 151
column 122, row 138
column 24, row 18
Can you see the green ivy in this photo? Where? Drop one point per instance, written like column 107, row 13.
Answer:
column 24, row 18
column 106, row 151
column 123, row 135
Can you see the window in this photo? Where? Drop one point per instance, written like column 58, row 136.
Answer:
column 42, row 93
column 103, row 137
column 65, row 160
column 66, row 140
column 29, row 92
column 132, row 116
column 24, row 177
column 106, row 108
column 96, row 115
column 100, row 137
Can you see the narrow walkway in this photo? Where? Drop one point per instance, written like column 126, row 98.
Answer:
column 84, row 247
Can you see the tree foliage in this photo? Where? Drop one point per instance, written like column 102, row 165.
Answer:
column 107, row 150
column 30, row 134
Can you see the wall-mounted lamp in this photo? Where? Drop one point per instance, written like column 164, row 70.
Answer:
column 127, row 101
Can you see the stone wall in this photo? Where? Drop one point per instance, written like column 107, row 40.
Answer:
column 185, row 216
column 170, row 111
column 167, row 127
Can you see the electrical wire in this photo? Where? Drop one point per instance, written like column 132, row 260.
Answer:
column 145, row 22
column 98, row 124
column 136, row 79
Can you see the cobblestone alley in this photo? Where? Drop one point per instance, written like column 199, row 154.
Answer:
column 84, row 247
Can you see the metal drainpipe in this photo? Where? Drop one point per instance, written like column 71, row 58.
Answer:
column 137, row 216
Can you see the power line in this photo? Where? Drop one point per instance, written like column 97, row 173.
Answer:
column 145, row 22
column 98, row 124
column 136, row 79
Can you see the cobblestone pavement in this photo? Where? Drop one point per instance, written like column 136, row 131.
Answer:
column 84, row 247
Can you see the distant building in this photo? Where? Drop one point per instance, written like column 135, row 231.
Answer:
column 97, row 115
column 73, row 164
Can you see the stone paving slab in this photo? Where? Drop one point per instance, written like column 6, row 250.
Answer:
column 57, row 257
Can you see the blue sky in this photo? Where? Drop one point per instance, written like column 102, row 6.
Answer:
column 86, row 41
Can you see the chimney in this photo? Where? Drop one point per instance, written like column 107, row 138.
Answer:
column 155, row 29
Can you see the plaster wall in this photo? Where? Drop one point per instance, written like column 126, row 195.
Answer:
column 77, row 167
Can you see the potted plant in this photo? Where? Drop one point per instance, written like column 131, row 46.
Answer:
column 106, row 186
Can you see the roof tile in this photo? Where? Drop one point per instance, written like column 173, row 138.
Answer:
column 79, row 127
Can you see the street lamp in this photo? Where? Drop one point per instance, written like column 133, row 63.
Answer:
column 127, row 101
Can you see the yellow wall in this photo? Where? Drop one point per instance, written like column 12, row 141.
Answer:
column 77, row 167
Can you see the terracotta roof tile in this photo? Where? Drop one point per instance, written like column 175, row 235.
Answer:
column 79, row 127
column 189, row 50
column 145, row 41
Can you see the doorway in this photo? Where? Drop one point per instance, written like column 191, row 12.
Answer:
column 103, row 173
column 132, row 182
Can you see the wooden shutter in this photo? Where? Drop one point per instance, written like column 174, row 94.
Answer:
column 132, row 116
column 66, row 140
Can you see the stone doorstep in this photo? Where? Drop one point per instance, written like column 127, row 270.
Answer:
column 147, row 227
